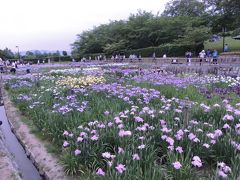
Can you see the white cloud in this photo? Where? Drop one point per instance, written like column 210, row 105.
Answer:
column 53, row 24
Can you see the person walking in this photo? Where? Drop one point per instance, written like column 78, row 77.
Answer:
column 202, row 55
column 215, row 56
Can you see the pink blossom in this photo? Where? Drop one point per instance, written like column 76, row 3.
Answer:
column 197, row 161
column 206, row 145
column 178, row 136
column 65, row 144
column 166, row 130
column 179, row 149
column 213, row 141
column 93, row 131
column 228, row 117
column 221, row 164
column 101, row 126
column 178, row 110
column 170, row 148
column 177, row 119
column 237, row 129
column 94, row 138
column 226, row 126
column 217, row 133
column 162, row 122
column 191, row 136
column 227, row 169
column 170, row 141
column 79, row 139
column 83, row 134
column 139, row 119
column 177, row 165
column 100, row 172
column 237, row 112
column 196, row 140
column 216, row 105
column 193, row 122
column 222, row 174
column 210, row 135
column 120, row 126
column 120, row 150
column 106, row 113
column 120, row 168
column 109, row 163
column 123, row 133
column 141, row 138
column 142, row 146
column 106, row 155
column 163, row 137
column 135, row 157
column 77, row 152
column 65, row 133
column 110, row 124
column 117, row 120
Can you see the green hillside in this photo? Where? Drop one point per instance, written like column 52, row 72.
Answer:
column 233, row 44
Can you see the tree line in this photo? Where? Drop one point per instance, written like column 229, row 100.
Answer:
column 31, row 55
column 184, row 23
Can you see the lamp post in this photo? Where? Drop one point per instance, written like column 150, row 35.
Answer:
column 223, row 30
column 18, row 53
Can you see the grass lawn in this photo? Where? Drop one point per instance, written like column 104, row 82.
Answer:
column 233, row 44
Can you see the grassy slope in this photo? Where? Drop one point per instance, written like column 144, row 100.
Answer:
column 234, row 45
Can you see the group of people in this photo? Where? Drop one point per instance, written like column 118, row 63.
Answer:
column 12, row 66
column 208, row 56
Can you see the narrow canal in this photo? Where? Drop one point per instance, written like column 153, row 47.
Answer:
column 27, row 169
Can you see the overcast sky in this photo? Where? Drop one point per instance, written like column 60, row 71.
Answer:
column 53, row 24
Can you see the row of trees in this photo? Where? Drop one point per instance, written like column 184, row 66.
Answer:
column 183, row 22
column 8, row 54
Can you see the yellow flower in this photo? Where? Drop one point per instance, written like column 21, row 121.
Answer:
column 83, row 81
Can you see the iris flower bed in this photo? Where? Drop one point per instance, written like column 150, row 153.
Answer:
column 105, row 130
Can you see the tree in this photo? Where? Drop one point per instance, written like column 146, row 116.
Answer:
column 64, row 53
column 225, row 13
column 184, row 8
column 8, row 53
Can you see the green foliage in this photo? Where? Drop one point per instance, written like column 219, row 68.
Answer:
column 184, row 8
column 169, row 49
column 141, row 31
column 6, row 53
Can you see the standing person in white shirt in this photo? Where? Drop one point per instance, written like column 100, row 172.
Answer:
column 202, row 56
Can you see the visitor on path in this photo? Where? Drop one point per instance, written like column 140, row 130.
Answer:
column 215, row 56
column 208, row 55
column 28, row 70
column 13, row 68
column 139, row 57
column 0, row 122
column 154, row 56
column 188, row 56
column 1, row 65
column 226, row 48
column 202, row 56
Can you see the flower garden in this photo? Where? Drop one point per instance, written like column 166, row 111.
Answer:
column 119, row 123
